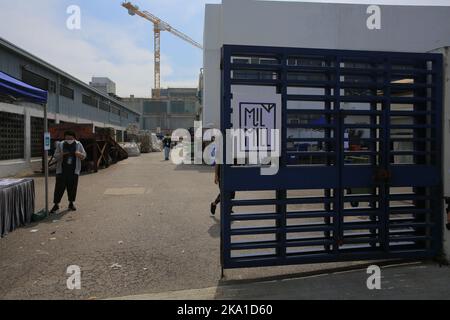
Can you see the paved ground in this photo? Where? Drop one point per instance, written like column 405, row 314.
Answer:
column 406, row 282
column 143, row 226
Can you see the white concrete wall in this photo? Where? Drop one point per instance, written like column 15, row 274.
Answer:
column 211, row 64
column 313, row 25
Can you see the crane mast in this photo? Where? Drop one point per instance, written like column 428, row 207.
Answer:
column 158, row 26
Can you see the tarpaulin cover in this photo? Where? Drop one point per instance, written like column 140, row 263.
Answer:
column 19, row 89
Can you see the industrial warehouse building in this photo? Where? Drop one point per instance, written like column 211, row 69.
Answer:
column 69, row 101
column 176, row 108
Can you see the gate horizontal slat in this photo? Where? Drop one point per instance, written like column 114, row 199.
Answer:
column 253, row 231
column 305, row 97
column 257, row 216
column 319, row 214
column 412, row 210
column 253, row 245
column 263, row 202
column 361, row 213
column 309, row 228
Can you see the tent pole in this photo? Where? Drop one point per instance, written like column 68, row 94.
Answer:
column 46, row 160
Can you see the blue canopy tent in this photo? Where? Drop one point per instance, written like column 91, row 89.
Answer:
column 20, row 90
column 11, row 87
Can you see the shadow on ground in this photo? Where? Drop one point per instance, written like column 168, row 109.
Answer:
column 195, row 167
column 214, row 230
column 409, row 281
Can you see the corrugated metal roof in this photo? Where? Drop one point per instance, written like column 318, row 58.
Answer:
column 5, row 43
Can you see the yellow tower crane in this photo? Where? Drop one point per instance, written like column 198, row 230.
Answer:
column 159, row 25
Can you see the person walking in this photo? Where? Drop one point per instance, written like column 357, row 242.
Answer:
column 68, row 154
column 167, row 143
column 214, row 204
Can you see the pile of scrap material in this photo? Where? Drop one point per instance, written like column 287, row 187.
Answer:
column 145, row 140
column 145, row 143
column 106, row 132
column 101, row 147
column 131, row 148
column 133, row 129
column 149, row 142
column 156, row 144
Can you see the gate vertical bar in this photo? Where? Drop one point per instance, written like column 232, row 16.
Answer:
column 281, row 195
column 374, row 134
column 225, row 120
column 420, row 145
column 385, row 155
column 339, row 139
column 438, row 90
column 328, row 148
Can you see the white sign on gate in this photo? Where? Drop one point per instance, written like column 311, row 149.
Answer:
column 257, row 113
column 259, row 119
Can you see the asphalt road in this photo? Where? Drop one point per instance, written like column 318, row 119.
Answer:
column 142, row 226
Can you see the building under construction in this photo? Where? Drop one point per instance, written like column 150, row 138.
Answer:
column 172, row 108
column 175, row 108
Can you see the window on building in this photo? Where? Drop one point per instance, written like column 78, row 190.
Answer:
column 190, row 106
column 12, row 136
column 51, row 86
column 90, row 101
column 155, row 107
column 104, row 106
column 35, row 80
column 177, row 107
column 66, row 92
column 115, row 110
column 124, row 114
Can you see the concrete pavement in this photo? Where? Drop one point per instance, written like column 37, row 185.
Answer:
column 415, row 281
column 142, row 227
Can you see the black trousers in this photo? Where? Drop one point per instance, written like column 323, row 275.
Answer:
column 217, row 201
column 65, row 182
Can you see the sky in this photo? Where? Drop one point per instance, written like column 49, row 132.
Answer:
column 114, row 44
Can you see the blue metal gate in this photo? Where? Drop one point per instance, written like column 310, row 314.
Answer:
column 360, row 167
